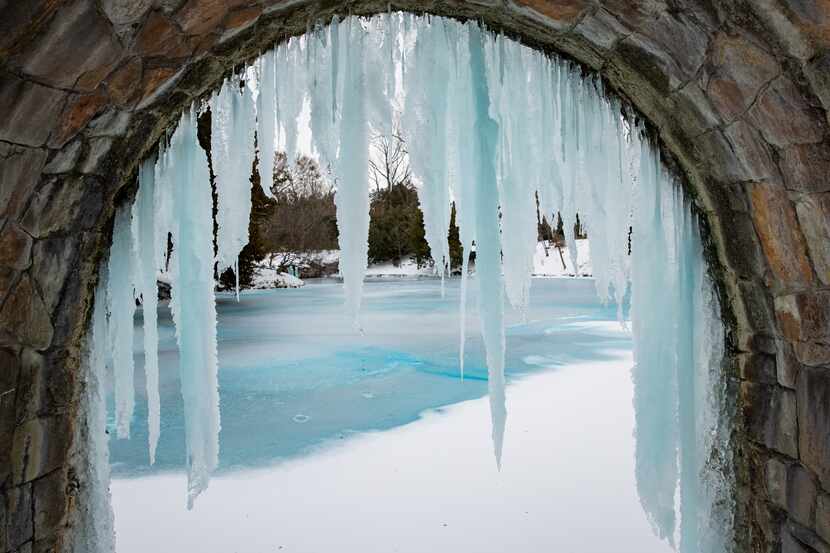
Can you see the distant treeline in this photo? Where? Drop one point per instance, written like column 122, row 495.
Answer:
column 300, row 219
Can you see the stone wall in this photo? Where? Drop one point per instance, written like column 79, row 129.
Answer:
column 738, row 91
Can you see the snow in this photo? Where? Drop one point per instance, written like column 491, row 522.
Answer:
column 488, row 123
column 548, row 260
column 266, row 278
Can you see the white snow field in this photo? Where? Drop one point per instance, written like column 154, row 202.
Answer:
column 333, row 441
column 489, row 123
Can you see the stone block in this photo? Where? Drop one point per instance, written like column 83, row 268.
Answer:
column 15, row 247
column 160, row 37
column 124, row 84
column 818, row 73
column 79, row 110
column 557, row 15
column 786, row 364
column 75, row 50
column 40, row 446
column 156, row 83
column 805, row 316
column 780, row 235
column 50, row 503
column 198, row 17
column 770, row 417
column 757, row 367
column 813, row 389
column 808, row 538
column 823, row 517
column 758, row 310
column 747, row 157
column 29, row 110
column 780, row 22
column 743, row 250
column 94, row 161
column 122, row 12
column 806, row 167
column 736, row 70
column 9, row 373
column 813, row 212
column 44, row 379
column 785, row 117
column 19, row 523
column 64, row 160
column 789, row 544
column 601, row 29
column 24, row 319
column 801, row 495
column 52, row 260
column 776, row 477
column 112, row 123
column 63, row 204
column 19, row 174
column 812, row 354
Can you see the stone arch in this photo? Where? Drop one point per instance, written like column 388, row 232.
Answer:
column 738, row 92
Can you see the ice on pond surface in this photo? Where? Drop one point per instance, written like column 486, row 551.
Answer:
column 412, row 457
column 492, row 125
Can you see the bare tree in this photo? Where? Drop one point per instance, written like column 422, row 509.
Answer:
column 389, row 161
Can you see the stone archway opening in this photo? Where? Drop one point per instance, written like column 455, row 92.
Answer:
column 736, row 93
column 501, row 129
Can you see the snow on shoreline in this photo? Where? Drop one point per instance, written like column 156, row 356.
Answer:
column 548, row 262
column 266, row 278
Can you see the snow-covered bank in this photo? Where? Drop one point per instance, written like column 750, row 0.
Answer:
column 550, row 261
column 266, row 278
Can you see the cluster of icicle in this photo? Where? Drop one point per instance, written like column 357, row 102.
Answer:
column 488, row 124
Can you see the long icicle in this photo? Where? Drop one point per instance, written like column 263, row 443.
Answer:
column 144, row 241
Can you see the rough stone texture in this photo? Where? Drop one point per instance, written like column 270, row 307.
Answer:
column 814, row 215
column 737, row 93
column 776, row 475
column 801, row 496
column 770, row 417
column 813, row 390
column 823, row 517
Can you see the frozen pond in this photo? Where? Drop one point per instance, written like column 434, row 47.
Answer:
column 335, row 441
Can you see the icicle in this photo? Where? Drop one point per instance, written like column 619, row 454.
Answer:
column 95, row 533
column 232, row 146
column 121, row 303
column 266, row 121
column 193, row 303
column 144, row 244
column 425, row 125
column 352, row 196
column 654, row 372
column 488, row 241
column 463, row 330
